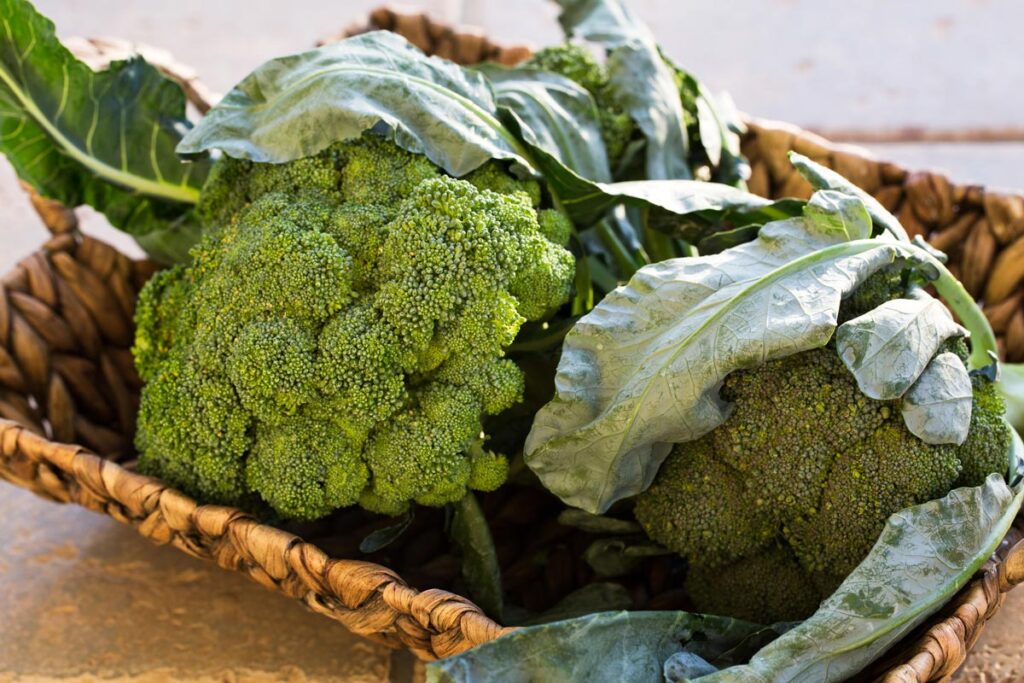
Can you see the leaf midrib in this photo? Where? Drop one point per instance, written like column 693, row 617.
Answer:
column 480, row 113
column 177, row 193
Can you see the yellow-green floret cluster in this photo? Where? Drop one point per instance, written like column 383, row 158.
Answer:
column 339, row 333
column 776, row 506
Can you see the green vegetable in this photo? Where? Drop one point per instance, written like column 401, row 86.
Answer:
column 781, row 502
column 923, row 557
column 640, row 372
column 608, row 646
column 340, row 332
column 104, row 138
column 296, row 106
column 639, row 81
column 578, row 64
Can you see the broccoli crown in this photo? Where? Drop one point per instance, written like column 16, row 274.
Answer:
column 795, row 487
column 339, row 333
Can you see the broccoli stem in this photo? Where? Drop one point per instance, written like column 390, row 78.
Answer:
column 624, row 258
column 549, row 336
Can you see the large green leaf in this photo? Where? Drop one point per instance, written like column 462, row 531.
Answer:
column 101, row 138
column 641, row 81
column 689, row 209
column 641, row 371
column 555, row 114
column 295, row 106
column 607, row 646
column 923, row 557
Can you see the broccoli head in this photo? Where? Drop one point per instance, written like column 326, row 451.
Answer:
column 339, row 333
column 777, row 505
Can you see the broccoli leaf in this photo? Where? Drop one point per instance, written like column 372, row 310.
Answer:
column 822, row 178
column 607, row 646
column 385, row 536
column 923, row 557
column 597, row 524
column 1011, row 386
column 295, row 106
column 719, row 126
column 690, row 209
column 590, row 599
column 480, row 568
column 640, row 79
column 554, row 113
column 937, row 409
column 101, row 138
column 888, row 347
column 641, row 371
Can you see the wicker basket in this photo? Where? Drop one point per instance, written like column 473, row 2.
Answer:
column 66, row 377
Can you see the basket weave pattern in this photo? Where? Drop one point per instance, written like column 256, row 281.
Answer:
column 66, row 377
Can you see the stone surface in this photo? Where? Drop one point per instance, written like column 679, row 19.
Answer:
column 83, row 598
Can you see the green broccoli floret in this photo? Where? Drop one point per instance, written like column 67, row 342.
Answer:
column 306, row 467
column 989, row 437
column 339, row 333
column 577, row 63
column 806, row 464
column 158, row 308
column 556, row 226
column 493, row 176
column 764, row 588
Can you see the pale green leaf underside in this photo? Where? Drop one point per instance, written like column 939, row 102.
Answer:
column 82, row 137
column 641, row 80
column 925, row 554
column 823, row 178
column 641, row 371
column 887, row 348
column 607, row 646
column 556, row 114
column 295, row 106
column 937, row 409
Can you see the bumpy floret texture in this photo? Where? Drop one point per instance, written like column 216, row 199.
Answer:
column 788, row 496
column 339, row 333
